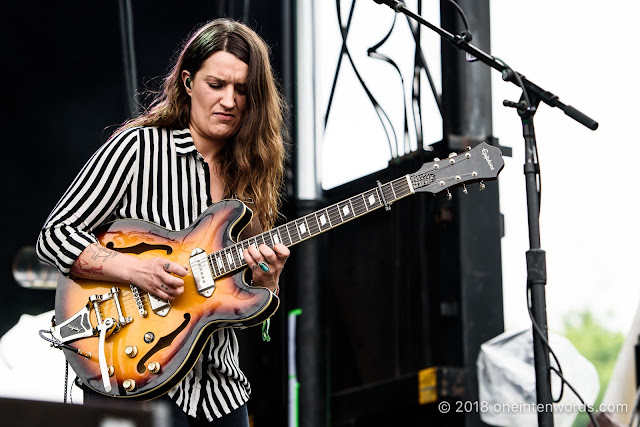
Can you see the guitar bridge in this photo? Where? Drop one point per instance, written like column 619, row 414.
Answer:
column 114, row 295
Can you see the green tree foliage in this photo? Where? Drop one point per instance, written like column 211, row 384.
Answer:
column 597, row 344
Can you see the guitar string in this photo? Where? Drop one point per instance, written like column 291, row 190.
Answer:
column 127, row 299
column 358, row 208
column 220, row 256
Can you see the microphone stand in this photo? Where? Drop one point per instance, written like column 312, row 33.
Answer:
column 532, row 95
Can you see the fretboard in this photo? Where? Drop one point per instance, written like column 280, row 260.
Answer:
column 231, row 258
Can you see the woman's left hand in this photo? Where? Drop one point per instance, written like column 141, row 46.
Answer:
column 266, row 264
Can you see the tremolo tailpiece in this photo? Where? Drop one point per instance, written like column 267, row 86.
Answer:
column 79, row 326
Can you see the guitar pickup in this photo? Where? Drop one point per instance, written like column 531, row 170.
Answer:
column 202, row 273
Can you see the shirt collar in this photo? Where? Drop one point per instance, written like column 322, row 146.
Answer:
column 184, row 142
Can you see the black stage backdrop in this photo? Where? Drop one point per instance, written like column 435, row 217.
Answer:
column 64, row 93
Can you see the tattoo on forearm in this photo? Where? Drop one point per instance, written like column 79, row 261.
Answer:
column 81, row 268
column 99, row 253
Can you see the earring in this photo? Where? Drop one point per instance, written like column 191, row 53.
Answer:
column 188, row 82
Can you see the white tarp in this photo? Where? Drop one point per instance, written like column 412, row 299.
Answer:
column 507, row 385
column 29, row 367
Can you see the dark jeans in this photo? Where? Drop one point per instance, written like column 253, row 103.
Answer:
column 237, row 418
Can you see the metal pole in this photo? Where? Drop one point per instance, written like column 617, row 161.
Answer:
column 128, row 55
column 311, row 345
column 466, row 97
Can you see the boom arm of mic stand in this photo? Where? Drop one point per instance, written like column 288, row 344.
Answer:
column 458, row 41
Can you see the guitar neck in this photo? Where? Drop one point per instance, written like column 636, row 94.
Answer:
column 231, row 258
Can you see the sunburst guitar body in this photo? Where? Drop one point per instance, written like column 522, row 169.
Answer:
column 150, row 346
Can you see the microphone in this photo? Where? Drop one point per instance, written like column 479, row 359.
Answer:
column 393, row 4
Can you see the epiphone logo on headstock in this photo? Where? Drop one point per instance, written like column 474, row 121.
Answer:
column 485, row 154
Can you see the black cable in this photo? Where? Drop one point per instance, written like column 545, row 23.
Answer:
column 511, row 74
column 54, row 342
column 372, row 52
column 59, row 345
column 66, row 380
column 462, row 15
column 546, row 343
column 423, row 64
column 74, row 383
column 344, row 32
column 376, row 106
column 507, row 75
column 558, row 371
column 586, row 407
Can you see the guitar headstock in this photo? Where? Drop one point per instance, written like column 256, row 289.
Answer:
column 484, row 162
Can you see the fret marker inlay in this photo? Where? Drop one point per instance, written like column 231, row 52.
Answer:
column 345, row 210
column 303, row 229
column 323, row 220
column 372, row 199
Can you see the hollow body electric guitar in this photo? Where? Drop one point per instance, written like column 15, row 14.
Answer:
column 123, row 342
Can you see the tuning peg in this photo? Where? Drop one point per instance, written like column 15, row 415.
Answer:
column 464, row 189
column 449, row 195
column 482, row 186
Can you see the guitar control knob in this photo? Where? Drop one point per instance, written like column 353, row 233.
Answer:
column 131, row 351
column 110, row 370
column 129, row 385
column 149, row 337
column 154, row 367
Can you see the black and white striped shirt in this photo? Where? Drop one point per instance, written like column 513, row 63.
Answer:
column 156, row 175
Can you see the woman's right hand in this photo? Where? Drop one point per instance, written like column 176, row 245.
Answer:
column 158, row 276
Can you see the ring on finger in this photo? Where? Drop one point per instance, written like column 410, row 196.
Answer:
column 263, row 265
column 164, row 287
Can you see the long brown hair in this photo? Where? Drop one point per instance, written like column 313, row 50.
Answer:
column 253, row 161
